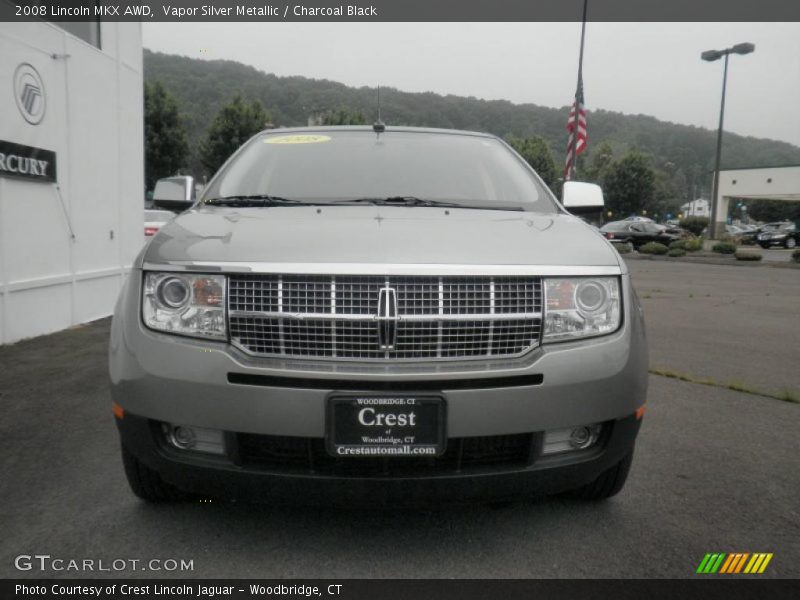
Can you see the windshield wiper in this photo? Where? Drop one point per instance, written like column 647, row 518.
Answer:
column 397, row 200
column 252, row 200
column 414, row 201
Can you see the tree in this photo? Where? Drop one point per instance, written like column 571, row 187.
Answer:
column 772, row 210
column 234, row 124
column 344, row 117
column 630, row 185
column 602, row 158
column 165, row 144
column 537, row 154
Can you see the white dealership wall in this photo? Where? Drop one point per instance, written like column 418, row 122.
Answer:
column 94, row 122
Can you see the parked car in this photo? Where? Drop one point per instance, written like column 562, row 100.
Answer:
column 637, row 233
column 734, row 232
column 416, row 317
column 750, row 234
column 779, row 234
column 677, row 230
column 155, row 220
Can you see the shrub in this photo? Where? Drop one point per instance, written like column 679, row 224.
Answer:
column 623, row 248
column 796, row 256
column 694, row 224
column 674, row 252
column 693, row 244
column 678, row 245
column 653, row 248
column 724, row 248
column 747, row 254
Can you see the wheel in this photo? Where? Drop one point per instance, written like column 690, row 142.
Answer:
column 791, row 242
column 608, row 483
column 147, row 484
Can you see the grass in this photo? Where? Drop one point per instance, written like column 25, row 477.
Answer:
column 786, row 395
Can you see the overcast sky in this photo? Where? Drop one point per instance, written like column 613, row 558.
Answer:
column 647, row 68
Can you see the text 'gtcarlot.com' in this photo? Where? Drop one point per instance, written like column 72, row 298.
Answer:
column 45, row 562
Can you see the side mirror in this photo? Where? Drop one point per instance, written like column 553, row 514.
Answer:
column 174, row 193
column 584, row 200
column 581, row 195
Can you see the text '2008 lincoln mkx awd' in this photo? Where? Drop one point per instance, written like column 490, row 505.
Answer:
column 378, row 314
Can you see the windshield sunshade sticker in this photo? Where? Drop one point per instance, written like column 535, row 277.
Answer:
column 298, row 139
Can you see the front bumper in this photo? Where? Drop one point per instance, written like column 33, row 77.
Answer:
column 171, row 379
column 210, row 384
column 226, row 476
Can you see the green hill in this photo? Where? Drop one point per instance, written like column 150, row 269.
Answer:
column 683, row 154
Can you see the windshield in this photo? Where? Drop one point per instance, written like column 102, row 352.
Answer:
column 329, row 166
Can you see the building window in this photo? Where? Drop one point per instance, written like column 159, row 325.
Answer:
column 88, row 30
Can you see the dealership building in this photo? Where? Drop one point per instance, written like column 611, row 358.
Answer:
column 71, row 171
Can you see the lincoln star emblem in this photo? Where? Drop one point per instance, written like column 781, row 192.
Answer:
column 29, row 93
column 387, row 318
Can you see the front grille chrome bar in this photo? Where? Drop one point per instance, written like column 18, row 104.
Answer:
column 399, row 318
column 385, row 317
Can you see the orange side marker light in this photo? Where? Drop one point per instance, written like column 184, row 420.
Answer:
column 639, row 413
column 118, row 411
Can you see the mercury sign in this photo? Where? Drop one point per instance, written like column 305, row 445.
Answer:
column 27, row 162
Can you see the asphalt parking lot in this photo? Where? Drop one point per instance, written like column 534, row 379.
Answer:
column 715, row 469
column 777, row 255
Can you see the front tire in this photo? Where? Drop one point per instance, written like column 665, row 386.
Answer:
column 147, row 484
column 790, row 243
column 608, row 483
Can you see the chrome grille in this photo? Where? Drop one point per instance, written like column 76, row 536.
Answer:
column 384, row 318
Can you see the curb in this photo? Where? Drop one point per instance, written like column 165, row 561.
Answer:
column 710, row 260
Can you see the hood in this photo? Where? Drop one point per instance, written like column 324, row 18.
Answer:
column 379, row 234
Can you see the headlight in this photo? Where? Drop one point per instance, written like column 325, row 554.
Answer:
column 580, row 307
column 185, row 303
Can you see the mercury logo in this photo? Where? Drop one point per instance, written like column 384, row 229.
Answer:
column 29, row 93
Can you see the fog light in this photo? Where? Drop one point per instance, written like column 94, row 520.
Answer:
column 572, row 439
column 182, row 437
column 197, row 439
column 580, row 438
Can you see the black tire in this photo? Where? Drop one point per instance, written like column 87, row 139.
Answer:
column 608, row 483
column 147, row 484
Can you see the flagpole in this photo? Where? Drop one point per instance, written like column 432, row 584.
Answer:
column 574, row 149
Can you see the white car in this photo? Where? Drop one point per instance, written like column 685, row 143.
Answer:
column 155, row 220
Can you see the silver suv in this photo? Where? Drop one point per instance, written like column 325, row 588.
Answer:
column 362, row 314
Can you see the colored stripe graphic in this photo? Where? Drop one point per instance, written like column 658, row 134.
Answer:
column 731, row 567
column 734, row 563
column 764, row 564
column 726, row 565
column 703, row 563
column 711, row 563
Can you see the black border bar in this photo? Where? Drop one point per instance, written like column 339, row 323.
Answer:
column 404, row 10
column 705, row 587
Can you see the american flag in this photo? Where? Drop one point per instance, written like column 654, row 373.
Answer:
column 581, row 145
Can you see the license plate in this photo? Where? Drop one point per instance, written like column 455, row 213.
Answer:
column 385, row 426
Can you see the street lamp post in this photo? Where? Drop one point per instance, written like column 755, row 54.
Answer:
column 710, row 56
